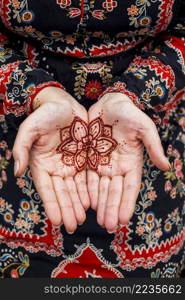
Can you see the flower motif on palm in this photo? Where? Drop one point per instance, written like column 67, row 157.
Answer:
column 86, row 146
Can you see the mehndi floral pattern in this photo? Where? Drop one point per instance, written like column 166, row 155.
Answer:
column 85, row 146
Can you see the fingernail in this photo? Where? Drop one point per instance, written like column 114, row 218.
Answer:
column 111, row 231
column 70, row 232
column 123, row 224
column 16, row 167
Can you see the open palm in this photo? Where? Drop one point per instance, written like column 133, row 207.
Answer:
column 61, row 186
column 115, row 183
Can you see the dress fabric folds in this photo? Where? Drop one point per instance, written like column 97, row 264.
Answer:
column 90, row 48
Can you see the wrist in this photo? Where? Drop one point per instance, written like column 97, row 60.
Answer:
column 48, row 95
column 115, row 97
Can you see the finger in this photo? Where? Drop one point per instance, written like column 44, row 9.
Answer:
column 131, row 188
column 102, row 200
column 93, row 187
column 68, row 215
column 155, row 150
column 81, row 183
column 113, row 203
column 22, row 145
column 77, row 206
column 44, row 187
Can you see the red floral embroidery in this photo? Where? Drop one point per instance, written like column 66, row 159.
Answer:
column 86, row 146
column 98, row 14
column 74, row 12
column 109, row 5
column 133, row 10
column 64, row 3
column 93, row 89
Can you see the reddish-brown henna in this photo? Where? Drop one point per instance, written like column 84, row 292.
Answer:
column 86, row 146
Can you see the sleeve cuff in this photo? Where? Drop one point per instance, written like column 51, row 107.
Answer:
column 33, row 90
column 120, row 87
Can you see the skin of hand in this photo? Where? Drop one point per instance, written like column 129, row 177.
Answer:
column 62, row 189
column 114, row 188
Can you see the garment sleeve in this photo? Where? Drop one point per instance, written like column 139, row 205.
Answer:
column 20, row 79
column 155, row 78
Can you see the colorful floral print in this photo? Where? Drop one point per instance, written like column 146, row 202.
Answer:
column 5, row 156
column 84, row 82
column 64, row 3
column 13, row 264
column 109, row 5
column 91, row 48
column 138, row 13
column 149, row 228
column 93, row 89
column 5, row 54
column 175, row 184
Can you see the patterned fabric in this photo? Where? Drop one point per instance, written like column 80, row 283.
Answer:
column 136, row 47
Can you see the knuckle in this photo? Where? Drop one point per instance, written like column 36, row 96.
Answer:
column 81, row 189
column 113, row 191
column 103, row 189
column 43, row 186
column 67, row 205
column 72, row 191
column 131, row 186
column 111, row 208
column 60, row 190
column 92, row 182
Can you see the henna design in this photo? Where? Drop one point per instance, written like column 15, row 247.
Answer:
column 84, row 145
column 36, row 103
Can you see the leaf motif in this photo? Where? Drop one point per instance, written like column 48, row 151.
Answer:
column 26, row 258
column 93, row 159
column 96, row 128
column 21, row 257
column 22, row 270
column 80, row 160
column 105, row 145
column 78, row 129
column 107, row 131
column 6, row 256
column 68, row 147
column 65, row 133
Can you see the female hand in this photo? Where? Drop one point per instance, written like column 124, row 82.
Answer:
column 61, row 187
column 115, row 183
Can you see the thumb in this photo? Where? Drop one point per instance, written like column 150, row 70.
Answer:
column 25, row 138
column 154, row 148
